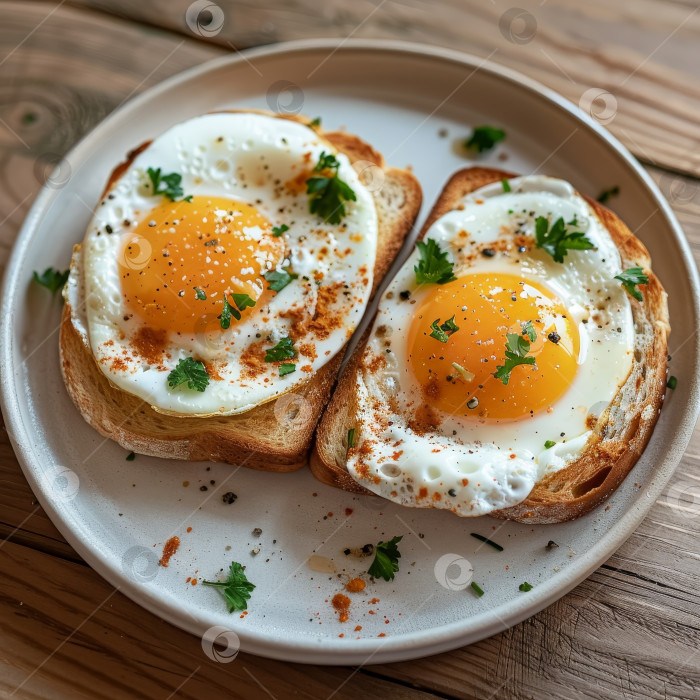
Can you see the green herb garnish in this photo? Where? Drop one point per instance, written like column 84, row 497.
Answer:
column 191, row 371
column 529, row 330
column 630, row 278
column 484, row 138
column 279, row 280
column 517, row 348
column 131, row 457
column 277, row 231
column 284, row 350
column 525, row 587
column 605, row 195
column 549, row 444
column 315, row 122
column 287, row 368
column 242, row 302
column 506, row 185
column 433, row 266
column 477, row 589
column 328, row 191
column 52, row 279
column 444, row 331
column 199, row 293
column 386, row 560
column 235, row 589
column 167, row 185
column 558, row 240
column 672, row 382
column 486, row 540
column 351, row 438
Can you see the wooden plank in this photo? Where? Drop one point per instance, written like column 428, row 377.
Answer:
column 67, row 633
column 643, row 53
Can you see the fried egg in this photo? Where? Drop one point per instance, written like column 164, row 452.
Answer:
column 439, row 425
column 156, row 271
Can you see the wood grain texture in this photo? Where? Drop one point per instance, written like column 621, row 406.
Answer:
column 644, row 54
column 632, row 628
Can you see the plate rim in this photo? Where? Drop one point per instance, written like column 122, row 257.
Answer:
column 391, row 648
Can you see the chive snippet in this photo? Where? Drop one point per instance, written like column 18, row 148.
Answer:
column 486, row 540
column 477, row 589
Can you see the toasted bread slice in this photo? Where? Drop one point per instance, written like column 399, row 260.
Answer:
column 621, row 433
column 275, row 436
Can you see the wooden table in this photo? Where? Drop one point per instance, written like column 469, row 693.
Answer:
column 631, row 629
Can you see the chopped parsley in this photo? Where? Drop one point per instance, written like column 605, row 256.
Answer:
column 558, row 240
column 672, row 382
column 386, row 559
column 351, row 438
column 477, row 589
column 328, row 191
column 630, row 278
column 52, row 279
column 287, row 368
column 191, row 371
column 525, row 587
column 549, row 444
column 605, row 195
column 529, row 330
column 279, row 280
column 486, row 540
column 131, row 457
column 167, row 185
column 284, row 350
column 242, row 302
column 315, row 122
column 506, row 185
column 517, row 348
column 433, row 266
column 277, row 231
column 199, row 293
column 484, row 138
column 235, row 589
column 444, row 331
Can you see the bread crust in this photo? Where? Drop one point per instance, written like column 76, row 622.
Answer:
column 258, row 438
column 620, row 435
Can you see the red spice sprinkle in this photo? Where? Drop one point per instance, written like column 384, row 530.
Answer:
column 189, row 529
column 381, row 635
column 348, row 511
column 342, row 604
column 188, row 579
column 341, row 635
column 169, row 549
column 355, row 585
column 330, row 514
column 358, row 628
column 194, row 581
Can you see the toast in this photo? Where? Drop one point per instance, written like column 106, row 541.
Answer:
column 620, row 435
column 274, row 436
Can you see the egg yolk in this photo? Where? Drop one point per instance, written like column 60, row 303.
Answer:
column 180, row 260
column 457, row 376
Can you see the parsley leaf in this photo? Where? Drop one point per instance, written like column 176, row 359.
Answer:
column 386, row 560
column 242, row 301
column 433, row 265
column 315, row 122
column 284, row 350
column 444, row 331
column 549, row 444
column 605, row 195
column 235, row 589
column 516, row 349
column 672, row 382
column 557, row 240
column 525, row 587
column 506, row 185
column 225, row 316
column 130, row 457
column 279, row 280
column 287, row 368
column 351, row 438
column 484, row 138
column 190, row 371
column 52, row 279
column 630, row 279
column 171, row 187
column 277, row 231
column 199, row 293
column 529, row 330
column 328, row 191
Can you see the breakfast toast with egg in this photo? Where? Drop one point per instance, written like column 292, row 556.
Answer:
column 619, row 434
column 273, row 436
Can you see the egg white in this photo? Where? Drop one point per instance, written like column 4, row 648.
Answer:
column 481, row 452
column 244, row 157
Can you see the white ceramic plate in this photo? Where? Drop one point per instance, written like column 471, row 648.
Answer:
column 118, row 514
